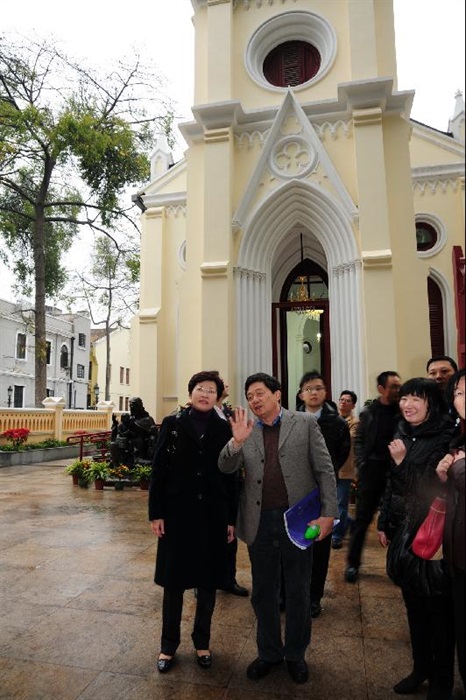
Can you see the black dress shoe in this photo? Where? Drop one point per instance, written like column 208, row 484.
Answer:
column 410, row 684
column 351, row 574
column 298, row 671
column 316, row 608
column 204, row 661
column 259, row 669
column 236, row 589
column 164, row 665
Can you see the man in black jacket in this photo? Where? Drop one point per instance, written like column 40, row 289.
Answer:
column 377, row 423
column 335, row 430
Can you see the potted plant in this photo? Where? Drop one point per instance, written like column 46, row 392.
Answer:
column 142, row 474
column 98, row 472
column 77, row 470
column 120, row 474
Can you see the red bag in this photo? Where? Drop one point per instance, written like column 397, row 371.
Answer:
column 428, row 539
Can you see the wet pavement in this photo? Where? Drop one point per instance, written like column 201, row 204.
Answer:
column 80, row 614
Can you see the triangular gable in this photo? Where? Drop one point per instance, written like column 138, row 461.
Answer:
column 292, row 151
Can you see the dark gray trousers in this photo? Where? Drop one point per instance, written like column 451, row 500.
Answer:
column 272, row 550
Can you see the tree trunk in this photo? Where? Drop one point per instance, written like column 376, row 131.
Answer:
column 40, row 360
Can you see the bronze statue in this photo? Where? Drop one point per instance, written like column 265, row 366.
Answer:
column 134, row 437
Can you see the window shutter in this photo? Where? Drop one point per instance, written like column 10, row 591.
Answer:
column 437, row 336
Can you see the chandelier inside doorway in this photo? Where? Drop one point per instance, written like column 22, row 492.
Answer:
column 303, row 293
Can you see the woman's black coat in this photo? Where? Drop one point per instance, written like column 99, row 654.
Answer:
column 196, row 501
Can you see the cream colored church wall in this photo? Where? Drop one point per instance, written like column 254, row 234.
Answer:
column 429, row 150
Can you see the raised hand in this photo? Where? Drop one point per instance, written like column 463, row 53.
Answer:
column 241, row 426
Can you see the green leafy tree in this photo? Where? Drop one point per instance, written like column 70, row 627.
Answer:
column 71, row 141
column 110, row 288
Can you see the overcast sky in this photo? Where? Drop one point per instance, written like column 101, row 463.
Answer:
column 429, row 38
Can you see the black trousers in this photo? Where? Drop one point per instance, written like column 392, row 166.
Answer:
column 232, row 551
column 432, row 632
column 171, row 619
column 320, row 562
column 370, row 490
column 459, row 594
column 271, row 550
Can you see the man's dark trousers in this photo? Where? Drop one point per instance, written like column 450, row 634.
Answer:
column 271, row 549
column 372, row 482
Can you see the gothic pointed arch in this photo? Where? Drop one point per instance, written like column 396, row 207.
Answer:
column 261, row 271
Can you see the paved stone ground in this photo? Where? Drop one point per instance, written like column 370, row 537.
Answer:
column 80, row 614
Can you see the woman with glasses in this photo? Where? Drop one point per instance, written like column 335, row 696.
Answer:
column 192, row 511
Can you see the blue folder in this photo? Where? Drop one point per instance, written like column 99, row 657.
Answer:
column 298, row 516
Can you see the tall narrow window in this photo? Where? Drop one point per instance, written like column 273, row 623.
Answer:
column 21, row 346
column 127, row 375
column 437, row 335
column 18, row 396
column 82, row 340
column 80, row 371
column 120, row 403
column 48, row 351
column 64, row 357
column 122, row 375
column 126, row 403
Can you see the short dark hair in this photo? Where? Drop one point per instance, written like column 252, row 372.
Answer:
column 442, row 358
column 354, row 398
column 309, row 376
column 450, row 390
column 206, row 377
column 270, row 382
column 429, row 390
column 384, row 376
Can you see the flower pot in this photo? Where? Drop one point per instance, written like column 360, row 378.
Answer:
column 99, row 484
column 83, row 483
column 144, row 484
column 119, row 486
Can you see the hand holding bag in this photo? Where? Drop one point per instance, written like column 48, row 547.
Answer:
column 428, row 539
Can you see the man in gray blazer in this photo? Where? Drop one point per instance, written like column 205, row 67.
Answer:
column 282, row 456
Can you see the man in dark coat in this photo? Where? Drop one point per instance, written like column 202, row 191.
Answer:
column 377, row 424
column 334, row 428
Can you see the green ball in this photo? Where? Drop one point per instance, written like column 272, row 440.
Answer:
column 312, row 532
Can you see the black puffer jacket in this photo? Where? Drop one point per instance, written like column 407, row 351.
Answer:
column 413, row 484
column 336, row 434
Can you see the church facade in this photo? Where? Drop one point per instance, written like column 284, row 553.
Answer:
column 311, row 224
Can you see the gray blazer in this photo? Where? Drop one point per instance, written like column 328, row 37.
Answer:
column 305, row 464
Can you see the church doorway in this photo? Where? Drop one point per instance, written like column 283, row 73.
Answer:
column 301, row 329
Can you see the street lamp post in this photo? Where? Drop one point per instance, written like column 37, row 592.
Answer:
column 10, row 392
column 96, row 394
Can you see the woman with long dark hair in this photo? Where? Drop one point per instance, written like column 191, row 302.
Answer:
column 451, row 472
column 192, row 510
column 422, row 437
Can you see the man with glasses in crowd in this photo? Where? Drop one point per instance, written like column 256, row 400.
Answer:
column 283, row 457
column 313, row 394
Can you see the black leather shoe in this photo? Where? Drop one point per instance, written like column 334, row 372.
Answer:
column 316, row 608
column 351, row 574
column 410, row 684
column 204, row 661
column 298, row 671
column 259, row 669
column 164, row 665
column 238, row 590
column 336, row 543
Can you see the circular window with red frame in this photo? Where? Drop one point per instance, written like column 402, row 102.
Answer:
column 291, row 63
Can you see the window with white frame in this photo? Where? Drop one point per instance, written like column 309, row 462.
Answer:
column 21, row 346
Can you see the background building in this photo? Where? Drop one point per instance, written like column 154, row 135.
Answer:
column 120, row 390
column 68, row 341
column 311, row 223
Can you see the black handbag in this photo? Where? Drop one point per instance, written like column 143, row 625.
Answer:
column 422, row 577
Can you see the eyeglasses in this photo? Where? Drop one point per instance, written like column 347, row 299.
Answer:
column 309, row 390
column 208, row 392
